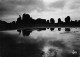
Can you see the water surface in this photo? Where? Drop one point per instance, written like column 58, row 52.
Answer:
column 40, row 42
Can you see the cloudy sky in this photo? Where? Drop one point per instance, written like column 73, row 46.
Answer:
column 10, row 9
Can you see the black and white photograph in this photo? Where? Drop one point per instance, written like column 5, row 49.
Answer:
column 39, row 28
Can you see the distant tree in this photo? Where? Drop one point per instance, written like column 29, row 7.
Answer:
column 18, row 20
column 67, row 19
column 47, row 22
column 25, row 17
column 40, row 21
column 2, row 22
column 52, row 21
column 13, row 22
column 59, row 20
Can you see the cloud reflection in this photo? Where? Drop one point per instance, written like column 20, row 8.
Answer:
column 39, row 43
column 63, row 42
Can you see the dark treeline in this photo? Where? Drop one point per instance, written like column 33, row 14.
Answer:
column 27, row 21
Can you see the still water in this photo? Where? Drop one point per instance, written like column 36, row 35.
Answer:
column 40, row 42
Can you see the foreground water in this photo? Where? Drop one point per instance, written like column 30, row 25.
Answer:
column 40, row 42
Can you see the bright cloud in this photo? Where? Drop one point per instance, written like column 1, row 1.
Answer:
column 39, row 8
column 60, row 9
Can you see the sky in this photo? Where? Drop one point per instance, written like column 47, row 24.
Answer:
column 11, row 9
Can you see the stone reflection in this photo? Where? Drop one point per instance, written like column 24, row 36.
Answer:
column 67, row 29
column 26, row 32
column 19, row 31
column 40, row 29
column 59, row 29
column 52, row 29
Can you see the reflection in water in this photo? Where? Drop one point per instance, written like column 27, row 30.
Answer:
column 40, row 29
column 51, row 29
column 19, row 31
column 67, row 29
column 41, row 42
column 26, row 32
column 59, row 29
